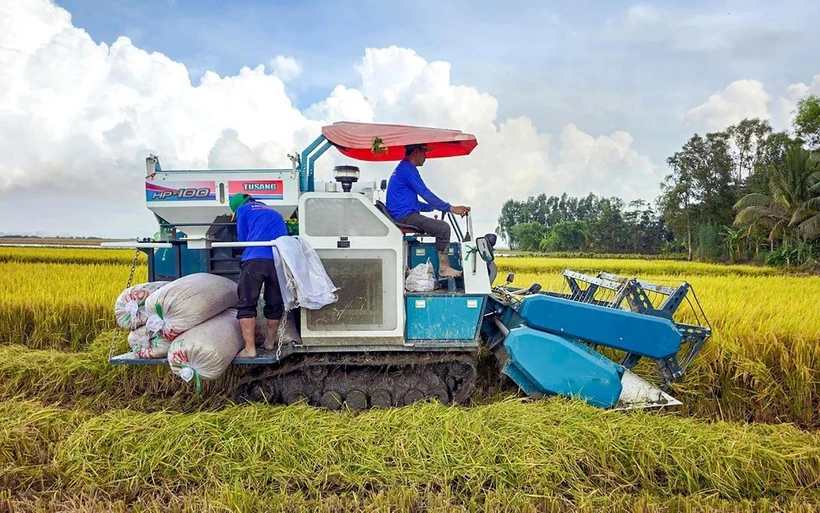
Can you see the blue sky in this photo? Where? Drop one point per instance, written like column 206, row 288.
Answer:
column 581, row 62
column 575, row 96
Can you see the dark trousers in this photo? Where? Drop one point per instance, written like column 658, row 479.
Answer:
column 432, row 227
column 252, row 275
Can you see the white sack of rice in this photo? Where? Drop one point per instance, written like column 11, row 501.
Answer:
column 129, row 308
column 187, row 302
column 145, row 345
column 207, row 350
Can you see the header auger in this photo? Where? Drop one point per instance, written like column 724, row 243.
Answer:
column 548, row 342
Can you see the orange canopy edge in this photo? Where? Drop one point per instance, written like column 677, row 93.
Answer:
column 382, row 142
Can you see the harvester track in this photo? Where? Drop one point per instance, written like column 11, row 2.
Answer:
column 361, row 382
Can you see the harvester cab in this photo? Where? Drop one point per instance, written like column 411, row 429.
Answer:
column 381, row 345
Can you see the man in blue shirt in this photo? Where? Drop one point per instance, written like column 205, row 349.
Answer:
column 256, row 221
column 403, row 190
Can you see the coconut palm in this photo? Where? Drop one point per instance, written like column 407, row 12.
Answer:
column 791, row 210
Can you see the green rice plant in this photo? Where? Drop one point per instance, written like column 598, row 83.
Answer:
column 540, row 448
column 59, row 306
column 69, row 255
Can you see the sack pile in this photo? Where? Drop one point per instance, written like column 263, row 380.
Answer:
column 192, row 322
column 199, row 307
column 130, row 314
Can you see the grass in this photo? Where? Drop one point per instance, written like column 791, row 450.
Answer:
column 28, row 434
column 762, row 363
column 86, row 380
column 512, row 455
column 236, row 499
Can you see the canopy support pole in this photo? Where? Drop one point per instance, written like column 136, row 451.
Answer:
column 305, row 181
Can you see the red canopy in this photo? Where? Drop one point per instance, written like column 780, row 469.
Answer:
column 380, row 142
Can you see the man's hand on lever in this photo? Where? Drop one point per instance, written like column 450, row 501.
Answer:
column 460, row 210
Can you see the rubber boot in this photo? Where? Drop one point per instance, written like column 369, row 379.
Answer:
column 444, row 269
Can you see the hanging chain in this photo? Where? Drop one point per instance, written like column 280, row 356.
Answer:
column 127, row 285
column 280, row 334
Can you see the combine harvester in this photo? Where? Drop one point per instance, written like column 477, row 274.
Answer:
column 380, row 346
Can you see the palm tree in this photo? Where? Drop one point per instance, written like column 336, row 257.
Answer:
column 733, row 238
column 791, row 210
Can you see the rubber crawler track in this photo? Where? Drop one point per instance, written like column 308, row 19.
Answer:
column 361, row 382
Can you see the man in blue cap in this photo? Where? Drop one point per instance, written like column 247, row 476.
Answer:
column 256, row 221
column 403, row 190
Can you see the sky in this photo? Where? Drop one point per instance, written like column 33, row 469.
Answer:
column 563, row 96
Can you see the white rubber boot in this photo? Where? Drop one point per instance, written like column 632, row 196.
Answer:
column 444, row 269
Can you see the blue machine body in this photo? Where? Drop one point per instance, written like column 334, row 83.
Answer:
column 442, row 316
column 548, row 345
column 654, row 337
column 548, row 364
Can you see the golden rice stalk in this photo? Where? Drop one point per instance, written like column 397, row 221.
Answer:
column 534, row 448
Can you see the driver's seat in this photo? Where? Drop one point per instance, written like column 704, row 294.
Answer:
column 405, row 228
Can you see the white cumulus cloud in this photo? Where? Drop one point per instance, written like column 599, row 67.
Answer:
column 286, row 68
column 749, row 99
column 741, row 99
column 78, row 117
column 794, row 92
column 604, row 164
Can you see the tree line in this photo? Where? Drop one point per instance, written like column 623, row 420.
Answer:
column 742, row 193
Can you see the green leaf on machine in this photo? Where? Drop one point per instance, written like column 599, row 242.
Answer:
column 377, row 148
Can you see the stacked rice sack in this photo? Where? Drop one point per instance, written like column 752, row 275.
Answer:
column 187, row 302
column 129, row 308
column 130, row 314
column 146, row 345
column 192, row 322
column 206, row 350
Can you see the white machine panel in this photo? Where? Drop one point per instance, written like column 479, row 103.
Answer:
column 363, row 256
column 475, row 273
column 199, row 197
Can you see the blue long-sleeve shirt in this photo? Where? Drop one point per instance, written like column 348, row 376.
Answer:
column 403, row 190
column 256, row 221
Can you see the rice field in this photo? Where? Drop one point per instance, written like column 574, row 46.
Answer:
column 79, row 435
